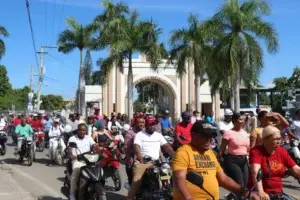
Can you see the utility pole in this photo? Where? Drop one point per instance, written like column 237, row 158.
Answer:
column 31, row 78
column 41, row 74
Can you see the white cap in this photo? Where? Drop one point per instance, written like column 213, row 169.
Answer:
column 56, row 120
column 228, row 112
column 126, row 127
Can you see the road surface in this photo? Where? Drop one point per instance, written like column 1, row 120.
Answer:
column 44, row 181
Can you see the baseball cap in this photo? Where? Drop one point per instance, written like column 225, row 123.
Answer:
column 202, row 129
column 185, row 115
column 228, row 112
column 150, row 121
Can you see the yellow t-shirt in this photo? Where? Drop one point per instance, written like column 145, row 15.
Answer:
column 189, row 159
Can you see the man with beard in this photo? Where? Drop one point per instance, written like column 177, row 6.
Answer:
column 147, row 142
column 198, row 157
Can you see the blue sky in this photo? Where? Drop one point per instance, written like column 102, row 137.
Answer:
column 48, row 17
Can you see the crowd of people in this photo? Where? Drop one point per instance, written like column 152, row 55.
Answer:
column 241, row 154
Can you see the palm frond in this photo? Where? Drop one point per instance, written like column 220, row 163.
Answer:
column 2, row 48
column 256, row 7
column 72, row 24
column 3, row 31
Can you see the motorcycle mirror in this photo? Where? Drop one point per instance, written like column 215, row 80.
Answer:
column 73, row 145
column 195, row 178
column 259, row 175
column 147, row 159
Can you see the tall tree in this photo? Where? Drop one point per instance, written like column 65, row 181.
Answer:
column 52, row 102
column 88, row 67
column 5, row 86
column 238, row 50
column 190, row 46
column 125, row 35
column 4, row 33
column 78, row 37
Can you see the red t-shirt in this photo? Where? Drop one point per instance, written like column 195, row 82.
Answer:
column 277, row 163
column 36, row 124
column 16, row 121
column 185, row 131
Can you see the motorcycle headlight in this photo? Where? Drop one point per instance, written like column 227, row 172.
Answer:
column 165, row 168
column 85, row 174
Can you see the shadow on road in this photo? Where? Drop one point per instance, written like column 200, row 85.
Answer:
column 12, row 161
column 44, row 161
column 49, row 198
column 291, row 187
column 62, row 179
column 10, row 144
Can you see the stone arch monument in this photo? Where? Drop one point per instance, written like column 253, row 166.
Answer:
column 180, row 91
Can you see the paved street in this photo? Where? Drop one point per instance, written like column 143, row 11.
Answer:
column 44, row 182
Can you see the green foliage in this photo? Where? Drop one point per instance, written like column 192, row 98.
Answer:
column 5, row 86
column 147, row 90
column 294, row 80
column 3, row 32
column 88, row 67
column 98, row 78
column 264, row 99
column 138, row 106
column 52, row 102
column 237, row 50
column 17, row 97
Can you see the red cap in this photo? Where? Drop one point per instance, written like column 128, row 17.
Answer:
column 150, row 121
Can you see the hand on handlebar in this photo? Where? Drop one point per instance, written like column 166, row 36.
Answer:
column 263, row 196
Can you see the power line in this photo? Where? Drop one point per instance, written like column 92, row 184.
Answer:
column 53, row 21
column 61, row 61
column 52, row 79
column 46, row 21
column 32, row 34
column 62, row 15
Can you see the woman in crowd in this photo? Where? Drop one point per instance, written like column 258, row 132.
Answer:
column 100, row 135
column 236, row 162
column 273, row 160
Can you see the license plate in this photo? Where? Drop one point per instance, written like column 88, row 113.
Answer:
column 165, row 178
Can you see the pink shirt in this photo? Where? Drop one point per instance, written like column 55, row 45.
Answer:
column 238, row 142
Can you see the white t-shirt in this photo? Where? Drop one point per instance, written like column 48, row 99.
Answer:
column 91, row 129
column 150, row 144
column 223, row 126
column 84, row 145
column 55, row 131
column 296, row 125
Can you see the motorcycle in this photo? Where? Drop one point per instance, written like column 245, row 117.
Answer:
column 156, row 181
column 60, row 154
column 111, row 163
column 40, row 140
column 27, row 150
column 294, row 151
column 3, row 140
column 91, row 182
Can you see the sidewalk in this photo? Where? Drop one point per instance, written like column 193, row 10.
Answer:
column 9, row 188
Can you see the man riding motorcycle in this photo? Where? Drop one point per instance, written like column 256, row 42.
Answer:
column 36, row 123
column 23, row 130
column 147, row 143
column 273, row 160
column 84, row 143
column 54, row 132
column 198, row 157
column 166, row 126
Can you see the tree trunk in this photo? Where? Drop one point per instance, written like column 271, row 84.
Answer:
column 130, row 87
column 237, row 85
column 232, row 97
column 197, row 87
column 81, row 97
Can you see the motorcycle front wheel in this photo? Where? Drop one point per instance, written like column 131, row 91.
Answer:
column 30, row 157
column 42, row 146
column 3, row 150
column 116, row 177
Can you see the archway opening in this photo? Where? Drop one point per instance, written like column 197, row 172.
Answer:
column 153, row 96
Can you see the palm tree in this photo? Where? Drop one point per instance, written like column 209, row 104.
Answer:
column 190, row 45
column 126, row 35
column 78, row 37
column 5, row 33
column 238, row 50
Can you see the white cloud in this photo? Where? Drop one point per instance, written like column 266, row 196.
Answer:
column 269, row 85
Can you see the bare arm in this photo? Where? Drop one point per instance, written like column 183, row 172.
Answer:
column 295, row 171
column 167, row 148
column 283, row 121
column 254, row 170
column 178, row 139
column 223, row 146
column 227, row 183
column 253, row 138
column 108, row 135
column 179, row 181
column 138, row 153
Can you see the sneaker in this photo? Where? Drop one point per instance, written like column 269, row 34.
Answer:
column 127, row 186
column 72, row 196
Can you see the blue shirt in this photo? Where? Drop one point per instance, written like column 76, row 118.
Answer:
column 209, row 119
column 48, row 124
column 165, row 123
